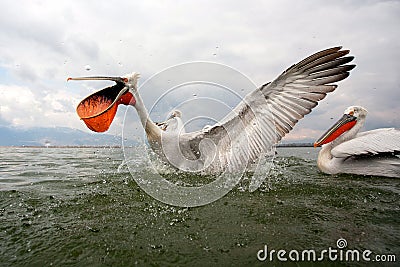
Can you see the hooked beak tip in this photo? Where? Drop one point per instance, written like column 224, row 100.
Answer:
column 69, row 78
column 315, row 145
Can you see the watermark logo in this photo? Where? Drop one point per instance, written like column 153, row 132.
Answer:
column 341, row 253
column 202, row 93
column 341, row 243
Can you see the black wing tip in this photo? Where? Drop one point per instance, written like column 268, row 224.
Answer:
column 347, row 68
column 342, row 76
column 340, row 53
column 351, row 66
column 335, row 49
column 327, row 54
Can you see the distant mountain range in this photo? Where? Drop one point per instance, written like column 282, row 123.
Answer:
column 57, row 136
column 62, row 136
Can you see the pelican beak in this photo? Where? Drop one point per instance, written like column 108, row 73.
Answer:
column 344, row 124
column 98, row 109
column 99, row 78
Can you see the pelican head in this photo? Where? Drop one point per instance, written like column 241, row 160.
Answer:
column 171, row 119
column 98, row 109
column 131, row 80
column 352, row 115
column 175, row 113
column 356, row 111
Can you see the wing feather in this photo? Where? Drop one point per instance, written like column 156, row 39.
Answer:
column 265, row 115
column 332, row 64
column 385, row 140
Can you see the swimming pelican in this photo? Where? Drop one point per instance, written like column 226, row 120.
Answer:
column 174, row 123
column 249, row 131
column 345, row 150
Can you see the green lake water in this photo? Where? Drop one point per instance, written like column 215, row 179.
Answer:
column 81, row 207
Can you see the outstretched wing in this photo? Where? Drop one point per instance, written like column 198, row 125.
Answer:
column 268, row 113
column 386, row 140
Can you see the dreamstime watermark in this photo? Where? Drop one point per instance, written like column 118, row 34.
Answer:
column 204, row 92
column 340, row 253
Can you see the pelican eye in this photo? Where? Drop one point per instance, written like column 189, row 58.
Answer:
column 351, row 113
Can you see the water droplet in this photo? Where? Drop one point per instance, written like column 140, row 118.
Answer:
column 215, row 54
column 195, row 95
column 87, row 67
column 120, row 64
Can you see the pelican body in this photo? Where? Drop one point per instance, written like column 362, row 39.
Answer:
column 345, row 150
column 247, row 133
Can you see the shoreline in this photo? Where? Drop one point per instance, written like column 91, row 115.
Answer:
column 117, row 146
column 105, row 146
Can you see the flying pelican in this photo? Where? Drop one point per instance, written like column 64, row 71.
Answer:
column 249, row 131
column 345, row 150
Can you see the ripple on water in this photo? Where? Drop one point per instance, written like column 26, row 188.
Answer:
column 81, row 207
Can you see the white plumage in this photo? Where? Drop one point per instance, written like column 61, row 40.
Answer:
column 368, row 153
column 249, row 131
column 259, row 121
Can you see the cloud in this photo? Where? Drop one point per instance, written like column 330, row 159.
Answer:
column 20, row 107
column 44, row 42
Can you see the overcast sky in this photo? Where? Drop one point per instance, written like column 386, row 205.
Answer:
column 44, row 42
